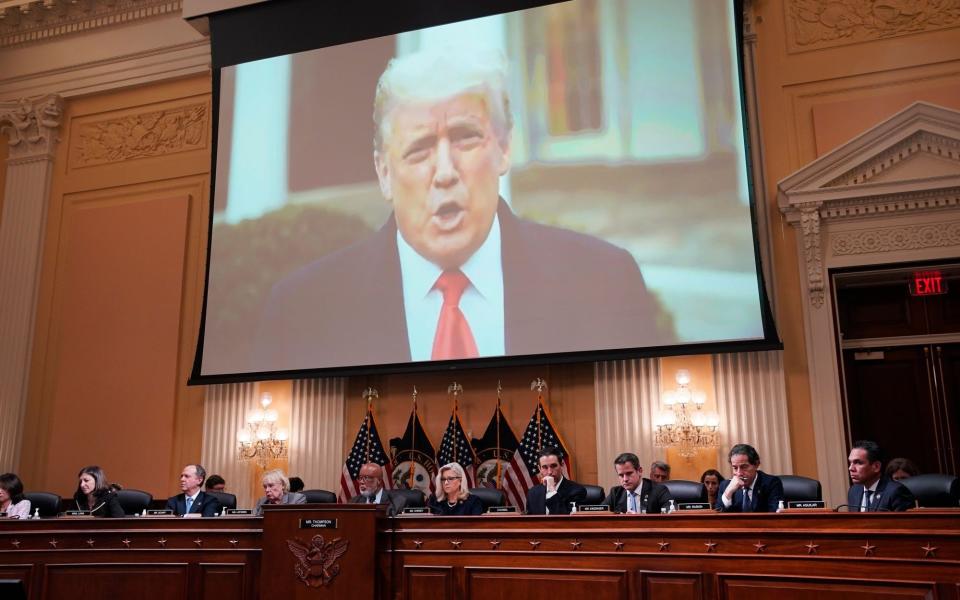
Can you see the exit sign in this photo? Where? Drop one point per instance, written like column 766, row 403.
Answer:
column 928, row 283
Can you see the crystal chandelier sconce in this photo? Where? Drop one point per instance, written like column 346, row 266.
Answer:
column 683, row 424
column 261, row 440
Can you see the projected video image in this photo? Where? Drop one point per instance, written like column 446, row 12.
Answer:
column 563, row 179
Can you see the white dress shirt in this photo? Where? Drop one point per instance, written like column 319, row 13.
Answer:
column 481, row 303
column 744, row 490
column 864, row 507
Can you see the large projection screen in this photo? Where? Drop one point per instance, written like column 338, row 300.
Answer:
column 565, row 182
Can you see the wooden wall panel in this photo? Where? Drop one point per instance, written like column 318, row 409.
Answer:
column 159, row 582
column 224, row 581
column 493, row 583
column 24, row 573
column 656, row 585
column 427, row 582
column 748, row 587
column 4, row 151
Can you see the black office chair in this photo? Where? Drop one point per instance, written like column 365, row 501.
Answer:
column 489, row 497
column 13, row 589
column 798, row 488
column 934, row 490
column 413, row 497
column 134, row 502
column 594, row 494
column 685, row 491
column 320, row 496
column 49, row 504
column 226, row 500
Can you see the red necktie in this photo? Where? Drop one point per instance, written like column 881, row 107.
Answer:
column 453, row 338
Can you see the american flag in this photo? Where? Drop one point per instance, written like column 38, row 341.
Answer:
column 523, row 468
column 455, row 448
column 366, row 449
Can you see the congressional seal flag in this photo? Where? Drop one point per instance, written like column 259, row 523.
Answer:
column 367, row 448
column 455, row 446
column 495, row 449
column 540, row 433
column 414, row 457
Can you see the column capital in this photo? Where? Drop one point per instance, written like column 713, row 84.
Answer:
column 31, row 125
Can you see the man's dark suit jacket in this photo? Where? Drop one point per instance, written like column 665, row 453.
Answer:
column 767, row 493
column 395, row 502
column 563, row 291
column 889, row 495
column 658, row 496
column 559, row 503
column 205, row 504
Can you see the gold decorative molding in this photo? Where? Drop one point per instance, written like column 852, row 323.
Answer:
column 816, row 24
column 896, row 239
column 810, row 226
column 28, row 21
column 31, row 126
column 143, row 135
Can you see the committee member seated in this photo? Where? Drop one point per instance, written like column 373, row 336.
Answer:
column 12, row 501
column 750, row 489
column 373, row 492
column 871, row 490
column 901, row 468
column 711, row 482
column 215, row 483
column 659, row 471
column 276, row 490
column 193, row 501
column 555, row 493
column 453, row 273
column 453, row 497
column 95, row 494
column 635, row 494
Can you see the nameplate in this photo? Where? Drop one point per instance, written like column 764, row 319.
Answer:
column 415, row 510
column 807, row 504
column 156, row 512
column 503, row 510
column 239, row 511
column 318, row 523
column 592, row 508
column 694, row 506
column 76, row 513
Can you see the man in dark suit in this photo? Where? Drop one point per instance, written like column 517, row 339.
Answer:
column 635, row 494
column 373, row 492
column 750, row 489
column 192, row 500
column 453, row 273
column 555, row 493
column 871, row 490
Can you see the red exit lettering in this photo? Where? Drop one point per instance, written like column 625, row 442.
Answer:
column 928, row 283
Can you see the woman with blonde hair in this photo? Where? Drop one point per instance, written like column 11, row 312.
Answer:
column 453, row 498
column 276, row 489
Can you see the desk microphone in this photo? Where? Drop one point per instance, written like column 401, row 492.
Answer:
column 859, row 508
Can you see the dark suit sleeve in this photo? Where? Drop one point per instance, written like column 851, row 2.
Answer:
column 473, row 506
column 211, row 506
column 774, row 494
column 396, row 504
column 534, row 505
column 172, row 504
column 902, row 499
column 719, row 505
column 854, row 497
column 659, row 498
column 611, row 499
column 113, row 508
column 559, row 504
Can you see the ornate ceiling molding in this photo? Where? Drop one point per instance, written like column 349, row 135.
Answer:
column 31, row 127
column 28, row 21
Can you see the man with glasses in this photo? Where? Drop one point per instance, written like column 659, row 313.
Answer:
column 750, row 489
column 555, row 494
column 373, row 492
column 635, row 494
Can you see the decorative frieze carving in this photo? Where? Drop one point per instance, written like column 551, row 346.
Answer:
column 921, row 141
column 810, row 226
column 144, row 135
column 815, row 24
column 31, row 21
column 31, row 126
column 886, row 205
column 896, row 239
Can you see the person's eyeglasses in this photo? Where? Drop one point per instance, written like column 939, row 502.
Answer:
column 367, row 478
column 449, row 479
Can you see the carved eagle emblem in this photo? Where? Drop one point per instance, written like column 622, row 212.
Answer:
column 317, row 562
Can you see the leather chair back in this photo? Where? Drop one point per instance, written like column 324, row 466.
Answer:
column 226, row 500
column 414, row 497
column 686, row 491
column 134, row 502
column 934, row 490
column 797, row 487
column 12, row 589
column 594, row 494
column 489, row 496
column 48, row 503
column 320, row 496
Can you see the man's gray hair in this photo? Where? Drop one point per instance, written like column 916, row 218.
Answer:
column 439, row 74
column 659, row 464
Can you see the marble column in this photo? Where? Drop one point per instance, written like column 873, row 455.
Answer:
column 31, row 128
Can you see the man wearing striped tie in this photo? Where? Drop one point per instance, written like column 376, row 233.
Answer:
column 636, row 493
column 750, row 489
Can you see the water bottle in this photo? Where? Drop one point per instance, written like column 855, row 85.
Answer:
column 36, row 513
column 573, row 507
column 779, row 505
column 672, row 506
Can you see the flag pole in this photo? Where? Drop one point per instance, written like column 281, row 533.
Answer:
column 499, row 478
column 539, row 384
column 413, row 438
column 456, row 389
column 369, row 393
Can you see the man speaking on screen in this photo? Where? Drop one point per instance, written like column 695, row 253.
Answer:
column 453, row 274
